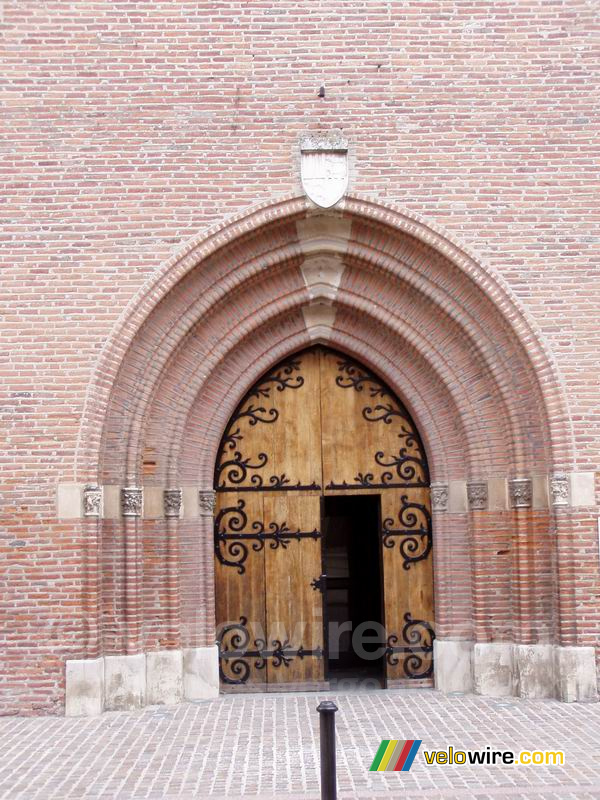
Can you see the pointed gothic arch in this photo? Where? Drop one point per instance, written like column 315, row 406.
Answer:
column 404, row 299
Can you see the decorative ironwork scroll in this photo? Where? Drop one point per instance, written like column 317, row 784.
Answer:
column 414, row 535
column 236, row 659
column 230, row 536
column 418, row 637
column 234, row 471
column 408, row 467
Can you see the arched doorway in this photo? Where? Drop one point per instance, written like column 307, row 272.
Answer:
column 452, row 340
column 323, row 538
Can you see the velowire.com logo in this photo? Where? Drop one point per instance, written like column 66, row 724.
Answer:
column 395, row 755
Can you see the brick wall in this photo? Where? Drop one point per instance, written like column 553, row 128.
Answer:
column 131, row 127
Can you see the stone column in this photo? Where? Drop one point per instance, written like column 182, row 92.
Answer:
column 92, row 513
column 201, row 661
column 453, row 646
column 131, row 511
column 172, row 509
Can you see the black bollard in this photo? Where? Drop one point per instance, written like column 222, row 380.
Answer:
column 327, row 711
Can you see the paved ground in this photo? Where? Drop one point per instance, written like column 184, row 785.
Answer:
column 266, row 746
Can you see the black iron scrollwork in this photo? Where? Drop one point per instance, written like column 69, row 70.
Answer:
column 282, row 378
column 418, row 637
column 230, row 536
column 258, row 414
column 386, row 413
column 409, row 467
column 234, row 471
column 353, row 377
column 414, row 537
column 236, row 659
column 233, row 644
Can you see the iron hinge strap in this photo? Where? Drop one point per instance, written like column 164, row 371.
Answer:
column 277, row 535
column 278, row 653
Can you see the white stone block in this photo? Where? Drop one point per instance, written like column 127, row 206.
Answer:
column 322, row 275
column 164, row 677
column 457, row 496
column 321, row 233
column 153, row 502
column 319, row 320
column 200, row 673
column 539, row 492
column 191, row 508
column 124, row 682
column 493, row 669
column 576, row 679
column 582, row 489
column 497, row 494
column 84, row 687
column 453, row 667
column 69, row 500
column 112, row 502
column 535, row 670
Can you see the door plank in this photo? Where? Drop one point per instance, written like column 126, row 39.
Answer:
column 408, row 586
column 294, row 608
column 240, row 594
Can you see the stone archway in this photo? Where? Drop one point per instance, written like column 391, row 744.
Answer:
column 402, row 298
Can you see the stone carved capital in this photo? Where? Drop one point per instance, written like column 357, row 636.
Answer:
column 92, row 501
column 439, row 496
column 477, row 495
column 520, row 492
column 131, row 501
column 559, row 489
column 207, row 500
column 172, row 499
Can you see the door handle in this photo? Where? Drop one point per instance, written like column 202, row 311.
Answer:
column 319, row 583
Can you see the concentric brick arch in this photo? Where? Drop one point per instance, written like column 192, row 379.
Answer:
column 392, row 248
column 380, row 285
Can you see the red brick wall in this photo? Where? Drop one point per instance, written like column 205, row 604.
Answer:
column 131, row 127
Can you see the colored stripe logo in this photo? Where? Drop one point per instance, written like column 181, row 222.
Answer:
column 395, row 755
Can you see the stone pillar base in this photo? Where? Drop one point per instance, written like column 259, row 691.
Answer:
column 164, row 677
column 85, row 687
column 534, row 666
column 124, row 683
column 576, row 680
column 453, row 667
column 493, row 669
column 504, row 669
column 200, row 673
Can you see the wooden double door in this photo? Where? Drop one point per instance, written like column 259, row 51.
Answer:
column 321, row 426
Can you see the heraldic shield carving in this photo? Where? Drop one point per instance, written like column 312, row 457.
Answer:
column 324, row 167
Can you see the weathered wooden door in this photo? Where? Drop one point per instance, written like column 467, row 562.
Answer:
column 318, row 424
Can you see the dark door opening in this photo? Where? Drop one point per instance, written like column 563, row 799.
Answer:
column 353, row 598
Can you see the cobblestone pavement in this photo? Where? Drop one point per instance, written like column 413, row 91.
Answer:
column 248, row 746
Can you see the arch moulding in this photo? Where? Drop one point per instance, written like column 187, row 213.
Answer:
column 448, row 336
